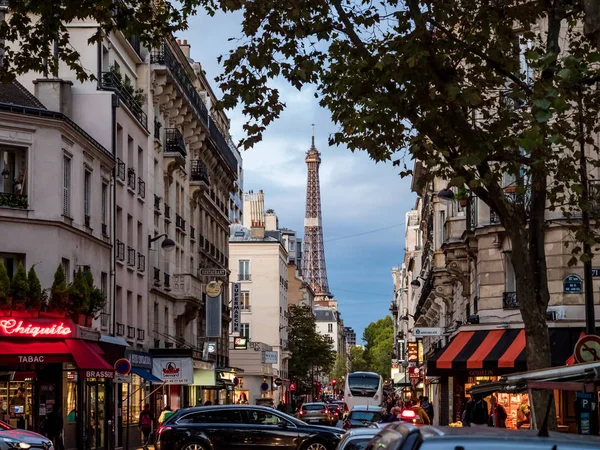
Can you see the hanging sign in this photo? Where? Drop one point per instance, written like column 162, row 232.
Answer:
column 573, row 284
column 173, row 370
column 213, row 272
column 414, row 372
column 214, row 308
column 235, row 308
column 292, row 386
column 427, row 332
column 240, row 343
column 413, row 352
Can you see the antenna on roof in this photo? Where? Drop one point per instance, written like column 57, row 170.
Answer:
column 313, row 135
column 544, row 429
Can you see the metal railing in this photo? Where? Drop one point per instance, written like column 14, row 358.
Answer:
column 120, row 251
column 244, row 277
column 223, row 146
column 199, row 172
column 156, row 275
column 141, row 188
column 510, row 300
column 110, row 81
column 141, row 266
column 120, row 168
column 167, row 280
column 136, row 43
column 141, row 334
column 131, row 178
column 156, row 202
column 130, row 332
column 192, row 233
column 175, row 142
column 179, row 222
column 157, row 127
column 13, row 201
column 167, row 211
column 120, row 329
column 131, row 256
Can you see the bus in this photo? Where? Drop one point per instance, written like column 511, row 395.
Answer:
column 363, row 388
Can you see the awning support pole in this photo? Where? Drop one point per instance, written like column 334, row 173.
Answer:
column 160, row 387
column 532, row 421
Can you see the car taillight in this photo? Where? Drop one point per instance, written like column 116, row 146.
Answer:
column 162, row 429
column 301, row 412
column 408, row 414
column 324, row 411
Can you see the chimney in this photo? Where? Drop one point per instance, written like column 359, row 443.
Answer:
column 257, row 231
column 185, row 47
column 55, row 94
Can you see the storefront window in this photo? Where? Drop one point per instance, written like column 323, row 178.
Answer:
column 15, row 404
column 133, row 400
column 71, row 397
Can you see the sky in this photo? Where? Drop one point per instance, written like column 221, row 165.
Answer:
column 357, row 195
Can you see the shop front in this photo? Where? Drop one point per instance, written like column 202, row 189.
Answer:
column 46, row 366
column 477, row 356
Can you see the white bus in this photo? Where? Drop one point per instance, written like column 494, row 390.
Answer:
column 363, row 388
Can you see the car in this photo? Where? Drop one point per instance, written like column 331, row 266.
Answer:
column 363, row 416
column 316, row 412
column 357, row 439
column 336, row 410
column 11, row 438
column 404, row 436
column 265, row 402
column 240, row 427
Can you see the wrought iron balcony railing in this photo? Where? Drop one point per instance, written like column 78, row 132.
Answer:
column 199, row 172
column 130, row 332
column 141, row 266
column 175, row 142
column 111, row 81
column 179, row 222
column 167, row 211
column 120, row 168
column 120, row 329
column 156, row 202
column 131, row 178
column 13, row 201
column 141, row 188
column 244, row 277
column 131, row 256
column 120, row 251
column 510, row 300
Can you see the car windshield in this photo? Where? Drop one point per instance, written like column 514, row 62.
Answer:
column 313, row 407
column 364, row 383
column 4, row 426
column 334, row 407
column 357, row 444
column 365, row 416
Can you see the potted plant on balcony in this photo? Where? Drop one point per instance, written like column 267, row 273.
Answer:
column 5, row 299
column 19, row 290
column 58, row 303
column 97, row 300
column 462, row 196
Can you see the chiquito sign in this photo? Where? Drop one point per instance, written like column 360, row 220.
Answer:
column 46, row 328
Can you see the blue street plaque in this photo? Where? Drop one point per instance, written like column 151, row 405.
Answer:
column 573, row 284
column 596, row 273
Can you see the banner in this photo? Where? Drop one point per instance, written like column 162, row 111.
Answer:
column 235, row 308
column 173, row 370
column 271, row 357
column 214, row 307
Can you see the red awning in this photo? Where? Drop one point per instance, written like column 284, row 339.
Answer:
column 87, row 359
column 23, row 352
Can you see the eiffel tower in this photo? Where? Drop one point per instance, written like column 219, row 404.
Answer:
column 313, row 257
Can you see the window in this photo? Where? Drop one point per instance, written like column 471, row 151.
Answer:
column 257, row 417
column 104, row 203
column 223, row 416
column 87, row 186
column 66, row 186
column 330, row 328
column 13, row 167
column 442, row 227
column 509, row 273
column 245, row 300
column 245, row 330
column 244, row 270
column 67, row 269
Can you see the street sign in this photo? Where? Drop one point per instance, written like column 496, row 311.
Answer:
column 122, row 366
column 587, row 349
column 213, row 272
column 278, row 381
column 596, row 272
column 427, row 332
column 292, row 386
column 573, row 284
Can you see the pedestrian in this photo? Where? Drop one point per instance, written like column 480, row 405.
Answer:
column 497, row 414
column 418, row 409
column 54, row 427
column 523, row 413
column 476, row 413
column 165, row 414
column 145, row 423
column 428, row 407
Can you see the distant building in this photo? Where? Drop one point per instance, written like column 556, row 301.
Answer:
column 349, row 336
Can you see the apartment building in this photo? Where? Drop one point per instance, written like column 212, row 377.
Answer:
column 329, row 323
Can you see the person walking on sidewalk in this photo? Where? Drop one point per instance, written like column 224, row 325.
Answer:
column 167, row 412
column 145, row 425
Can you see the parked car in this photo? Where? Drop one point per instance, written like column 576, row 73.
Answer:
column 316, row 413
column 404, row 436
column 265, row 402
column 230, row 427
column 336, row 410
column 11, row 438
column 363, row 416
column 357, row 439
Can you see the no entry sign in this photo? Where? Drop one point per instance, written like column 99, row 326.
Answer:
column 587, row 349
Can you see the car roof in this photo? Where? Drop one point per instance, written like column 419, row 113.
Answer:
column 367, row 408
column 366, row 431
column 313, row 403
column 213, row 407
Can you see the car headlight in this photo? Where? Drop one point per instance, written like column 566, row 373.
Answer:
column 13, row 443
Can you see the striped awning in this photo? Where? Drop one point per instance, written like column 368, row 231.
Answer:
column 496, row 352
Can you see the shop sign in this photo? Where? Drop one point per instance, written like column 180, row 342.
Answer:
column 414, row 372
column 292, row 386
column 573, row 284
column 97, row 374
column 139, row 359
column 173, row 370
column 481, row 373
column 413, row 352
column 236, row 308
column 205, row 272
column 46, row 328
column 271, row 357
column 214, row 308
column 427, row 332
column 420, row 351
column 240, row 343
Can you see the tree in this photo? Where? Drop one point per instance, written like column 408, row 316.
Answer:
column 59, row 292
column 357, row 359
column 35, row 294
column 311, row 352
column 19, row 288
column 79, row 294
column 4, row 287
column 97, row 299
column 339, row 372
column 379, row 339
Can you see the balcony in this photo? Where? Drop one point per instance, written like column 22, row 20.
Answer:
column 131, row 179
column 120, row 169
column 136, row 44
column 156, row 276
column 120, row 251
column 510, row 300
column 130, row 332
column 223, row 147
column 13, row 201
column 187, row 285
column 141, row 266
column 141, row 334
column 131, row 256
column 130, row 97
column 141, row 188
column 120, row 329
column 179, row 222
column 87, row 220
column 192, row 233
column 175, row 145
column 167, row 283
column 156, row 203
column 167, row 211
column 199, row 173
column 104, row 229
column 157, row 127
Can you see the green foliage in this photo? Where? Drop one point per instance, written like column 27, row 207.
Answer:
column 97, row 300
column 379, row 347
column 59, row 292
column 19, row 288
column 4, row 287
column 339, row 372
column 357, row 359
column 35, row 294
column 311, row 352
column 79, row 294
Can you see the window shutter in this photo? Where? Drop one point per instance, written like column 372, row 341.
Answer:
column 66, row 185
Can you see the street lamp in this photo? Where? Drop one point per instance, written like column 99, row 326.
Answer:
column 406, row 316
column 167, row 245
column 416, row 283
column 446, row 194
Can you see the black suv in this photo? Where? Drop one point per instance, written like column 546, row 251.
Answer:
column 241, row 427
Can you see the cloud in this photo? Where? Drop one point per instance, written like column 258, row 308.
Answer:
column 357, row 195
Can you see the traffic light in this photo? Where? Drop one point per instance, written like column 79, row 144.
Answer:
column 334, row 382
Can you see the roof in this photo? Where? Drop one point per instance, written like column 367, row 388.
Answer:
column 240, row 233
column 361, row 432
column 15, row 93
column 325, row 315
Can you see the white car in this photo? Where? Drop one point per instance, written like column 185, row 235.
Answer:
column 357, row 439
column 14, row 438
